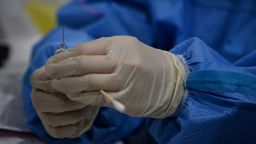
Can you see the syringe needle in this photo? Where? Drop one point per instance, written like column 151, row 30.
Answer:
column 63, row 40
column 62, row 43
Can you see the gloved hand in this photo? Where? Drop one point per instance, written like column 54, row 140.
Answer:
column 61, row 117
column 147, row 81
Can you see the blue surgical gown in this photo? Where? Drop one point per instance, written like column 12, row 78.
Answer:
column 217, row 40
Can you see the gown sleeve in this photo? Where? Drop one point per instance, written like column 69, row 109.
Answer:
column 220, row 104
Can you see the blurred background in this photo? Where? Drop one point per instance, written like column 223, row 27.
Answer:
column 22, row 24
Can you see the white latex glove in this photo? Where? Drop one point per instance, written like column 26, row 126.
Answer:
column 147, row 81
column 61, row 117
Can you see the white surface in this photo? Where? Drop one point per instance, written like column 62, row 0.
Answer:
column 10, row 137
column 20, row 34
column 11, row 103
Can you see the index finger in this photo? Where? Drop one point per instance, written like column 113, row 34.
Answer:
column 96, row 47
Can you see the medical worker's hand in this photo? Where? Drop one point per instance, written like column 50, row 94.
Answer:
column 147, row 81
column 61, row 117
